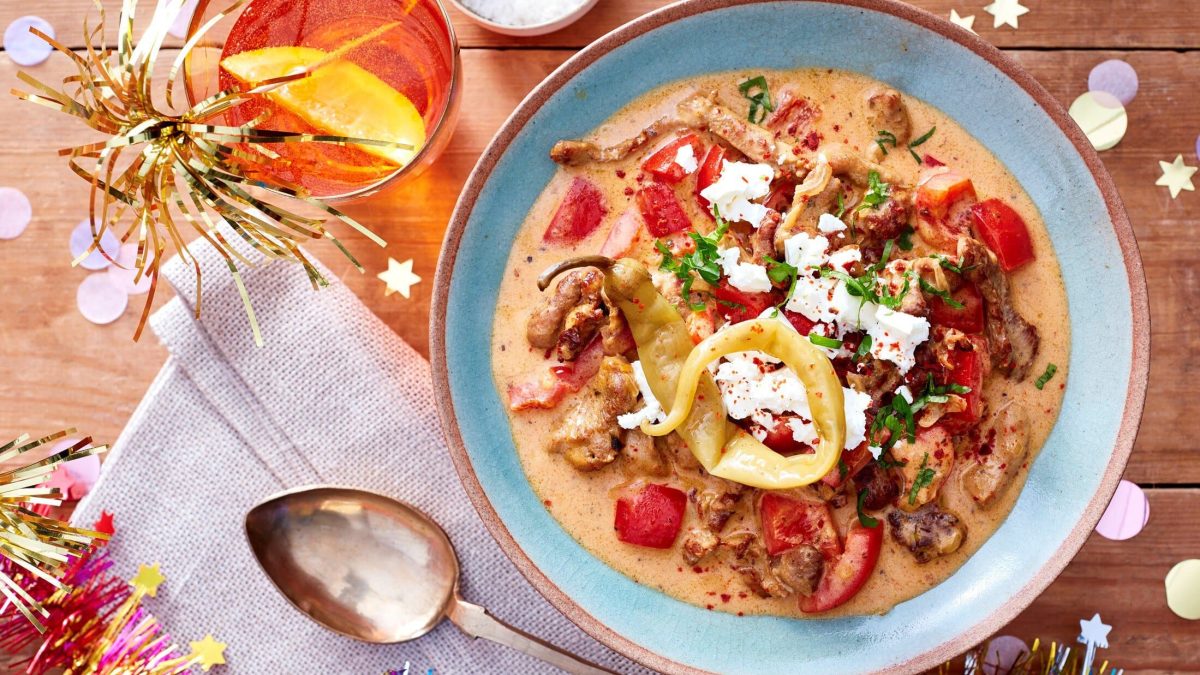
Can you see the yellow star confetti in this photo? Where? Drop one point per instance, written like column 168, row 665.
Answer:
column 1006, row 12
column 964, row 21
column 209, row 651
column 148, row 579
column 399, row 277
column 1177, row 176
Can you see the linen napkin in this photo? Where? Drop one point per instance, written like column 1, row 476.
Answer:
column 333, row 397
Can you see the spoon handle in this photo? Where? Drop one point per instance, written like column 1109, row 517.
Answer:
column 476, row 622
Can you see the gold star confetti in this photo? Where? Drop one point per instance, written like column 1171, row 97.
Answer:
column 399, row 277
column 1006, row 12
column 148, row 579
column 964, row 21
column 1177, row 176
column 209, row 651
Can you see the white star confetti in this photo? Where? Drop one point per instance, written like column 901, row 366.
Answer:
column 1006, row 12
column 399, row 277
column 1177, row 176
column 966, row 22
column 1094, row 631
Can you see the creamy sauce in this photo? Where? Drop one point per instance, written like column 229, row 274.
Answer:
column 584, row 502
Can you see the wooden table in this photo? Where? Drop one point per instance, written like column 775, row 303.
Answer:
column 58, row 370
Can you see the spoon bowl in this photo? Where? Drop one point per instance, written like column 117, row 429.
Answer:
column 374, row 569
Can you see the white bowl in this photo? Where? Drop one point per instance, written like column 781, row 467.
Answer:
column 527, row 31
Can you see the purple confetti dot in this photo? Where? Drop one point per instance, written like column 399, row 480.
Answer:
column 25, row 48
column 1116, row 77
column 81, row 239
column 1127, row 513
column 15, row 212
column 179, row 28
column 1002, row 654
column 99, row 300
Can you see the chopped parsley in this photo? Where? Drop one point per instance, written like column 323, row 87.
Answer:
column 841, row 207
column 867, row 521
column 779, row 272
column 756, row 91
column 864, row 348
column 1050, row 371
column 877, row 192
column 885, row 138
column 842, row 468
column 924, row 479
column 924, row 137
column 905, row 239
column 730, row 304
column 822, row 341
column 944, row 295
column 703, row 261
column 899, row 416
column 957, row 269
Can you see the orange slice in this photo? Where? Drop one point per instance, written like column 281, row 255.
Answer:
column 339, row 98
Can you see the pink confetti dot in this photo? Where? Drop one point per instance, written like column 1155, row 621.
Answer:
column 84, row 473
column 1126, row 514
column 179, row 28
column 15, row 212
column 81, row 239
column 1116, row 77
column 25, row 48
column 99, row 300
column 123, row 273
column 1002, row 654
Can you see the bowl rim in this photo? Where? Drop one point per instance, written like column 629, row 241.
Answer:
column 1123, row 230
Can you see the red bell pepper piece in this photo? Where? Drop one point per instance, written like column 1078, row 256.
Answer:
column 853, row 461
column 651, row 517
column 578, row 215
column 661, row 210
column 622, row 235
column 801, row 323
column 1005, row 232
column 710, row 171
column 738, row 306
column 968, row 318
column 546, row 388
column 846, row 577
column 967, row 372
column 788, row 523
column 662, row 163
column 940, row 200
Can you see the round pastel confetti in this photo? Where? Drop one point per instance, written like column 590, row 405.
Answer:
column 99, row 300
column 15, row 212
column 1102, row 118
column 84, row 473
column 1002, row 654
column 1126, row 514
column 25, row 48
column 1116, row 77
column 179, row 28
column 124, row 272
column 1183, row 589
column 81, row 239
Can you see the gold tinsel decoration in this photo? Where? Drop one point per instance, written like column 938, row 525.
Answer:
column 33, row 544
column 162, row 171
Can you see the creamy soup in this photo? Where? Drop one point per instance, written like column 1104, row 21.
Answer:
column 967, row 317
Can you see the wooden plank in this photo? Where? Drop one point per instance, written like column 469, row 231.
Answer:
column 1123, row 581
column 1124, row 24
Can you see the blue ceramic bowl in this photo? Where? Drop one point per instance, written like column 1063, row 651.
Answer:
column 995, row 100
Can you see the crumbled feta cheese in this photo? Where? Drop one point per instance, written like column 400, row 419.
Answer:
column 829, row 223
column 651, row 410
column 875, row 450
column 804, row 251
column 856, row 404
column 738, row 184
column 811, row 297
column 844, row 257
column 905, row 392
column 896, row 335
column 685, row 157
column 746, row 277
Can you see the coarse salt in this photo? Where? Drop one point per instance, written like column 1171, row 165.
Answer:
column 522, row 12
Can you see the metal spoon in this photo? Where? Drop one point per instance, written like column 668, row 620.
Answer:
column 375, row 569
